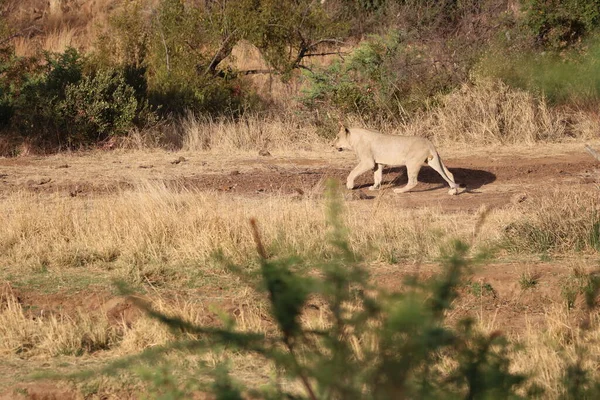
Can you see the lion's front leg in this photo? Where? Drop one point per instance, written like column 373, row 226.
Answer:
column 377, row 177
column 358, row 170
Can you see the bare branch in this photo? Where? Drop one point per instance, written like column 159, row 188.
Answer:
column 20, row 33
column 223, row 52
column 327, row 53
column 330, row 40
column 260, row 248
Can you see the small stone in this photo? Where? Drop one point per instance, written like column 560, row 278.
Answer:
column 179, row 160
column 518, row 198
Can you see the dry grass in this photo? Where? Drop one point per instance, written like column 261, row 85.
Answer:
column 155, row 226
column 559, row 223
column 62, row 23
column 547, row 353
column 59, row 41
column 488, row 112
column 52, row 335
column 481, row 114
column 249, row 133
column 162, row 237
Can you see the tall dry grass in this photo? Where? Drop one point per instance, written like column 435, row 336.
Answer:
column 485, row 113
column 558, row 223
column 489, row 112
column 51, row 334
column 251, row 132
column 157, row 227
column 62, row 23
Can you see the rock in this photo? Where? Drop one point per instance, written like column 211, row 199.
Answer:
column 518, row 198
column 179, row 160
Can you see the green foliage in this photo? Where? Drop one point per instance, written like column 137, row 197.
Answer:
column 182, row 47
column 557, row 24
column 481, row 289
column 37, row 101
column 97, row 107
column 528, row 280
column 579, row 283
column 572, row 77
column 58, row 100
column 15, row 72
column 384, row 76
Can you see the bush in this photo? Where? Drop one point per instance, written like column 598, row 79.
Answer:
column 385, row 76
column 571, row 77
column 59, row 102
column 557, row 24
column 98, row 106
column 173, row 47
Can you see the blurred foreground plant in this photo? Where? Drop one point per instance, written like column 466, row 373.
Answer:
column 374, row 344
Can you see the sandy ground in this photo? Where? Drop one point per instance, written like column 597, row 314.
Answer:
column 492, row 176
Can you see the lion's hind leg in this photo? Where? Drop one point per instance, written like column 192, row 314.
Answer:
column 413, row 172
column 437, row 164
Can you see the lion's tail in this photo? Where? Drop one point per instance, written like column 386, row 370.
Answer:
column 436, row 163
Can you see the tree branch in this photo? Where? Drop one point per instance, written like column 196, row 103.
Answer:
column 223, row 52
column 19, row 33
column 255, row 71
column 320, row 41
column 327, row 53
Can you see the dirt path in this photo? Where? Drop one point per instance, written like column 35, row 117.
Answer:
column 492, row 177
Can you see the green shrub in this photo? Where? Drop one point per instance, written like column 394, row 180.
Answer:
column 36, row 100
column 557, row 24
column 96, row 107
column 60, row 101
column 571, row 77
column 385, row 76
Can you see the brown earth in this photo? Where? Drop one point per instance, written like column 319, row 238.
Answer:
column 493, row 177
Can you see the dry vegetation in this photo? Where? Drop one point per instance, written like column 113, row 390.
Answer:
column 60, row 253
column 162, row 241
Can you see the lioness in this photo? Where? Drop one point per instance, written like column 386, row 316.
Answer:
column 374, row 150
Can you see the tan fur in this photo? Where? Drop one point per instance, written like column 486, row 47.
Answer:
column 374, row 150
